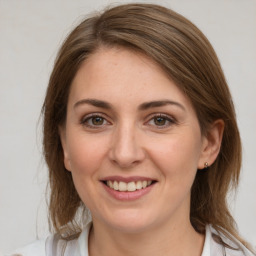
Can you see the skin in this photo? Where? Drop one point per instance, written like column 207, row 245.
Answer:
column 127, row 140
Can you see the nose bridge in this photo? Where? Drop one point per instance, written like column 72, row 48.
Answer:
column 126, row 149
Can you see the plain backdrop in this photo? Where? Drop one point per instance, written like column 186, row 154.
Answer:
column 31, row 32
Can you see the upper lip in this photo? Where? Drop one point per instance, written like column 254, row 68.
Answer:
column 127, row 179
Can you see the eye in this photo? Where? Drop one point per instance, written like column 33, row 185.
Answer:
column 97, row 120
column 94, row 121
column 161, row 121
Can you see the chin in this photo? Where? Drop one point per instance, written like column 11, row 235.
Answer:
column 130, row 222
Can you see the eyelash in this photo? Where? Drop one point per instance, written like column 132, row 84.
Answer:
column 85, row 120
column 166, row 118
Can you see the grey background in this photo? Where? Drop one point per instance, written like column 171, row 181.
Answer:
column 31, row 32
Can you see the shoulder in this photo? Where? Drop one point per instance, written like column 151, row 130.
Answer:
column 54, row 245
column 36, row 248
column 51, row 246
column 223, row 245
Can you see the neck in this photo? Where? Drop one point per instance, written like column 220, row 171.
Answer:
column 176, row 239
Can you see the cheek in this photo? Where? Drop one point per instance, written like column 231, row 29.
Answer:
column 177, row 157
column 86, row 157
column 85, row 153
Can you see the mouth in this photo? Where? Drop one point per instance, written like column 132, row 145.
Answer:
column 131, row 186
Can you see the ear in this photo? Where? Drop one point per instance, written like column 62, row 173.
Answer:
column 211, row 143
column 62, row 134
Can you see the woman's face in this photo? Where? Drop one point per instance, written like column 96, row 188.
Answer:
column 132, row 142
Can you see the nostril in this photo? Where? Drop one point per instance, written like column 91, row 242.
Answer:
column 125, row 163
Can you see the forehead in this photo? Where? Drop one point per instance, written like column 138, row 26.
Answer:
column 123, row 74
column 113, row 62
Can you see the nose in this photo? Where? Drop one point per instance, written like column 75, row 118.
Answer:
column 126, row 150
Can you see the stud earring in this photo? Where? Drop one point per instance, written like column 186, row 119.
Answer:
column 206, row 165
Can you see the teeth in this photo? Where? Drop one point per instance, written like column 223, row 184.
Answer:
column 115, row 185
column 130, row 186
column 110, row 184
column 139, row 185
column 122, row 186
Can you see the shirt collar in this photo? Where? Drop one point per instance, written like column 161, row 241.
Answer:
column 207, row 242
column 83, row 241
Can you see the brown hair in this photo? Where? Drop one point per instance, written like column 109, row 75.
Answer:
column 186, row 55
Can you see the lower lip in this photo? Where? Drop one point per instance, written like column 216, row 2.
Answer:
column 129, row 195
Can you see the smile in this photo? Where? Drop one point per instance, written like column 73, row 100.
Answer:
column 128, row 186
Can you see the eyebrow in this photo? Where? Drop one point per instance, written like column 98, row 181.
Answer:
column 94, row 102
column 143, row 106
column 160, row 103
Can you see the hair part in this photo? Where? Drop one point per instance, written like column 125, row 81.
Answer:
column 188, row 58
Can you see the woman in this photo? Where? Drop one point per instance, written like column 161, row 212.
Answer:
column 141, row 139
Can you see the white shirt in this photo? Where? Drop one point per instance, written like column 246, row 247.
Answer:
column 53, row 246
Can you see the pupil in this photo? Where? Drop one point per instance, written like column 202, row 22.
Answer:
column 97, row 120
column 159, row 121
